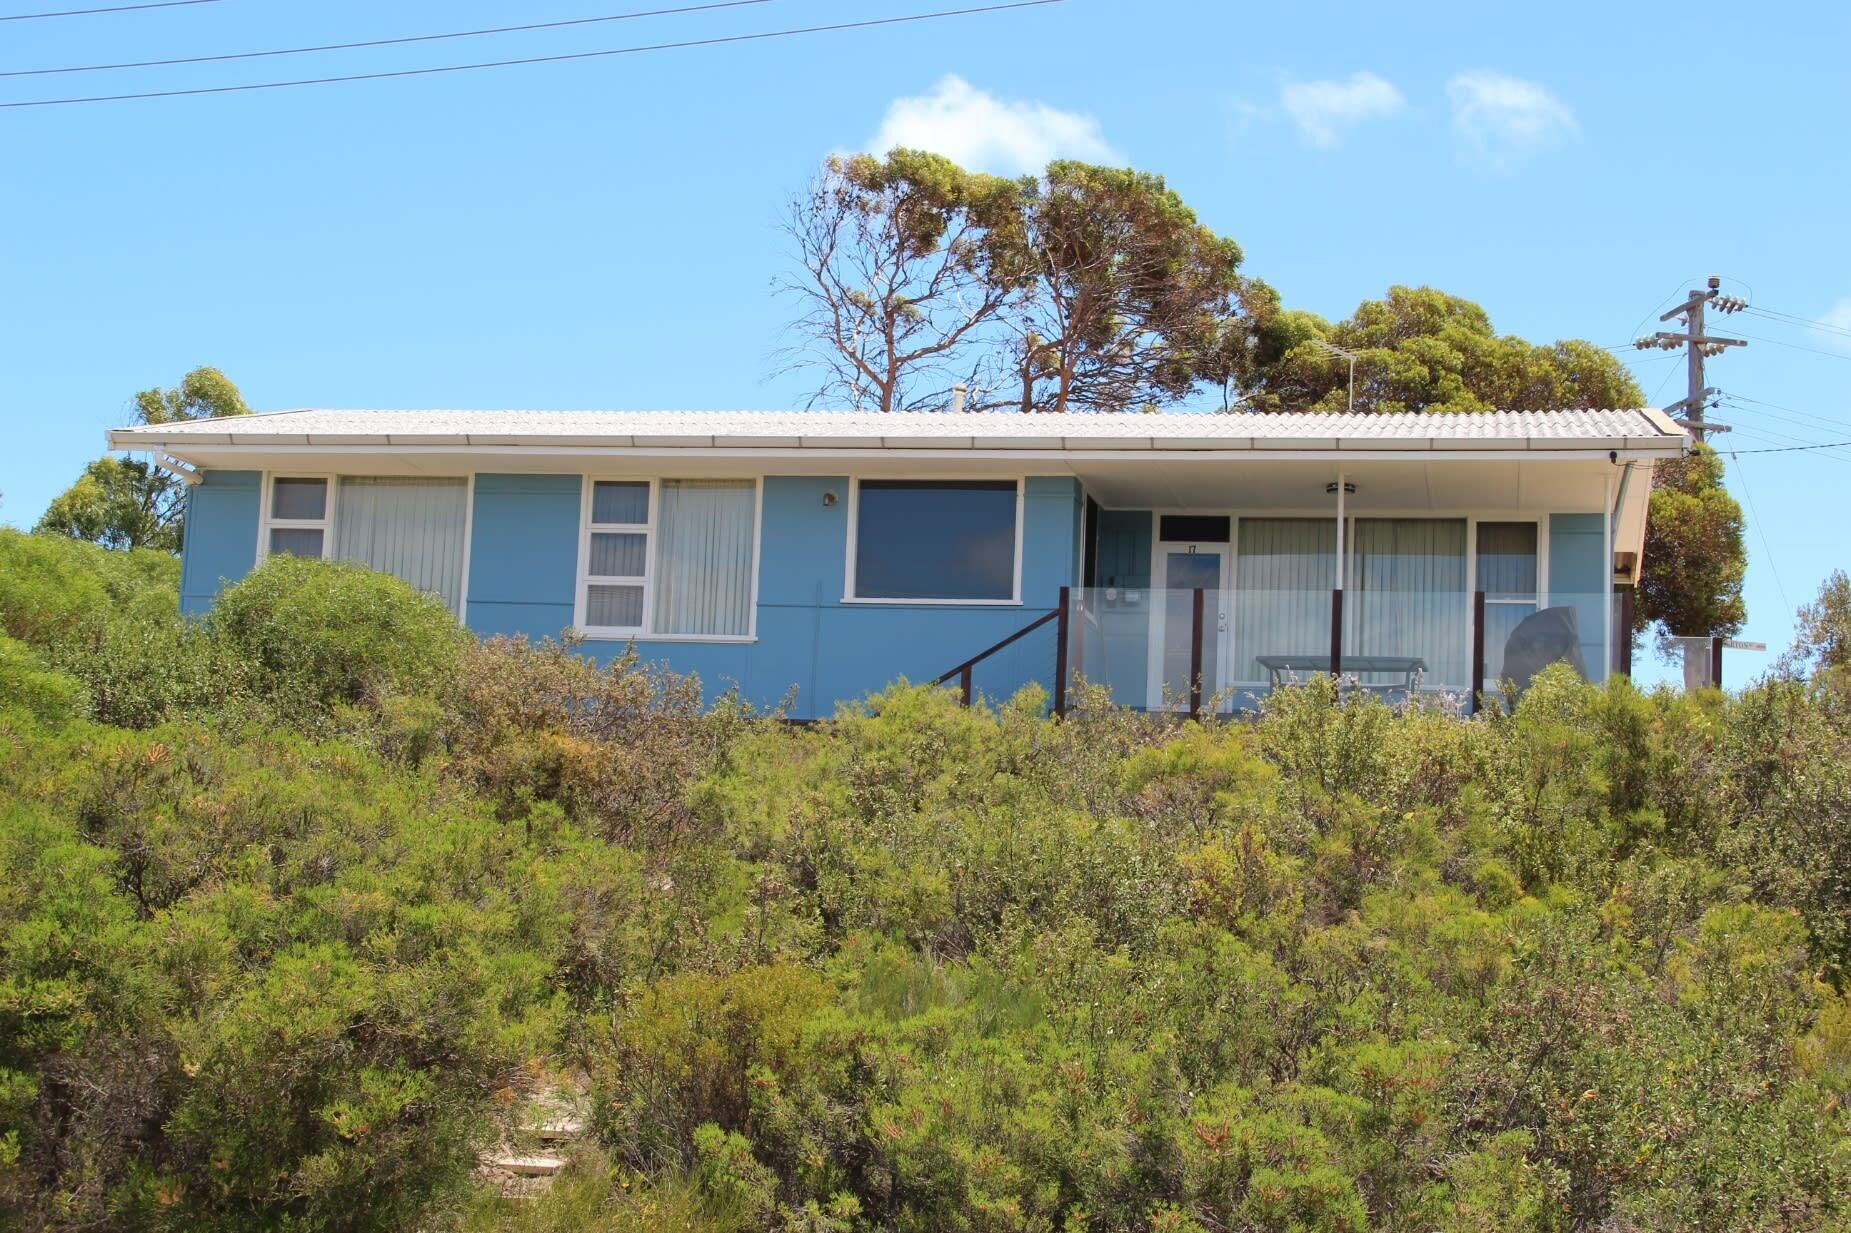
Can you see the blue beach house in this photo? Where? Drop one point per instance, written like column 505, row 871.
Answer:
column 1179, row 560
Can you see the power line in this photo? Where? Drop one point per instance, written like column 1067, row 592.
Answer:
column 1741, row 477
column 1795, row 319
column 554, row 59
column 1836, row 355
column 392, row 42
column 1794, row 449
column 1831, row 421
column 114, row 8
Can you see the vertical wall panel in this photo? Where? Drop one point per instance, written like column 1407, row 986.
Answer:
column 523, row 554
column 1578, row 580
column 222, row 512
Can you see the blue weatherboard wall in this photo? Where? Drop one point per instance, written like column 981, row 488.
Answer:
column 1578, row 568
column 523, row 571
column 523, row 554
column 833, row 651
column 222, row 513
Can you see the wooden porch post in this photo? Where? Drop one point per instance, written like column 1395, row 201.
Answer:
column 1195, row 658
column 1478, row 649
column 1625, row 632
column 1336, row 633
column 1061, row 626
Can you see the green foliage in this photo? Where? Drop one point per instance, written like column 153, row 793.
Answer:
column 1822, row 641
column 1130, row 294
column 336, row 632
column 1419, row 349
column 50, row 586
column 1581, row 965
column 117, row 503
column 1695, row 559
column 130, row 503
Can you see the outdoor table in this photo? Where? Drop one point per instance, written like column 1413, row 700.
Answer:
column 1408, row 666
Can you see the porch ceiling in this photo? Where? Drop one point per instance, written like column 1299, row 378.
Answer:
column 1414, row 485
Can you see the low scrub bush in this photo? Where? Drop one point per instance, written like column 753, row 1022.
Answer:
column 300, row 906
column 336, row 632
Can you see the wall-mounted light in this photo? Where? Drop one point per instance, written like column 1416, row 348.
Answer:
column 829, row 498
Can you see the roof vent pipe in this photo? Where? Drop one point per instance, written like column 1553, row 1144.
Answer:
column 957, row 398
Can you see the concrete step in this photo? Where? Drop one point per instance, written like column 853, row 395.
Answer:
column 526, row 1166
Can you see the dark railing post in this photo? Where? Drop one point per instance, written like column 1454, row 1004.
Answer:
column 1625, row 633
column 1061, row 625
column 1716, row 662
column 1478, row 649
column 1195, row 658
column 1336, row 633
column 964, row 684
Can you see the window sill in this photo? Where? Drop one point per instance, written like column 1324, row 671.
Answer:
column 931, row 603
column 638, row 636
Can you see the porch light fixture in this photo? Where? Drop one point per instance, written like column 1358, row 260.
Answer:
column 1349, row 488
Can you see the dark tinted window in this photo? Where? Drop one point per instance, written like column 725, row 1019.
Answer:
column 1193, row 528
column 1507, row 559
column 933, row 539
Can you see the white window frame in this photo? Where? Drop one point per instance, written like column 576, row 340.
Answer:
column 324, row 524
column 849, row 584
column 1540, row 599
column 646, row 631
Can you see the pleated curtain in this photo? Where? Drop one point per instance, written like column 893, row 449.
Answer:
column 1287, row 569
column 408, row 527
column 1406, row 596
column 703, row 573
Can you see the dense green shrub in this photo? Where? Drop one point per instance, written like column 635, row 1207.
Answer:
column 336, row 632
column 52, row 585
column 296, row 909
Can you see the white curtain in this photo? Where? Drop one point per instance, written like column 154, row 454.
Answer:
column 1406, row 597
column 411, row 528
column 1287, row 569
column 703, row 574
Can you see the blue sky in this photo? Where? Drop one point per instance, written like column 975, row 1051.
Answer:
column 604, row 233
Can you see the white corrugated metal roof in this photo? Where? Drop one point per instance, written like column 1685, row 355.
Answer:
column 971, row 430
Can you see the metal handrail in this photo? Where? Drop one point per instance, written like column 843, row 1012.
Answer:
column 1059, row 614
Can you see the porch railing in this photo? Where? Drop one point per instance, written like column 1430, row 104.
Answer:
column 1179, row 649
column 964, row 672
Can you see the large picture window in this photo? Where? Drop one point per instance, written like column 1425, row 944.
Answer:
column 936, row 540
column 669, row 558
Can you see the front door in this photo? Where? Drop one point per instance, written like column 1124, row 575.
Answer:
column 1181, row 569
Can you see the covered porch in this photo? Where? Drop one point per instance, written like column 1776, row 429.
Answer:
column 1437, row 578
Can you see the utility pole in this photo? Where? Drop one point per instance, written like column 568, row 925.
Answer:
column 1688, row 411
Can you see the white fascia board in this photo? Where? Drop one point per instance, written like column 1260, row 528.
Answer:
column 1524, row 452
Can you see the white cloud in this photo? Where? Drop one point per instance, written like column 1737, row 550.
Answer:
column 1837, row 323
column 976, row 129
column 1499, row 122
column 1326, row 110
